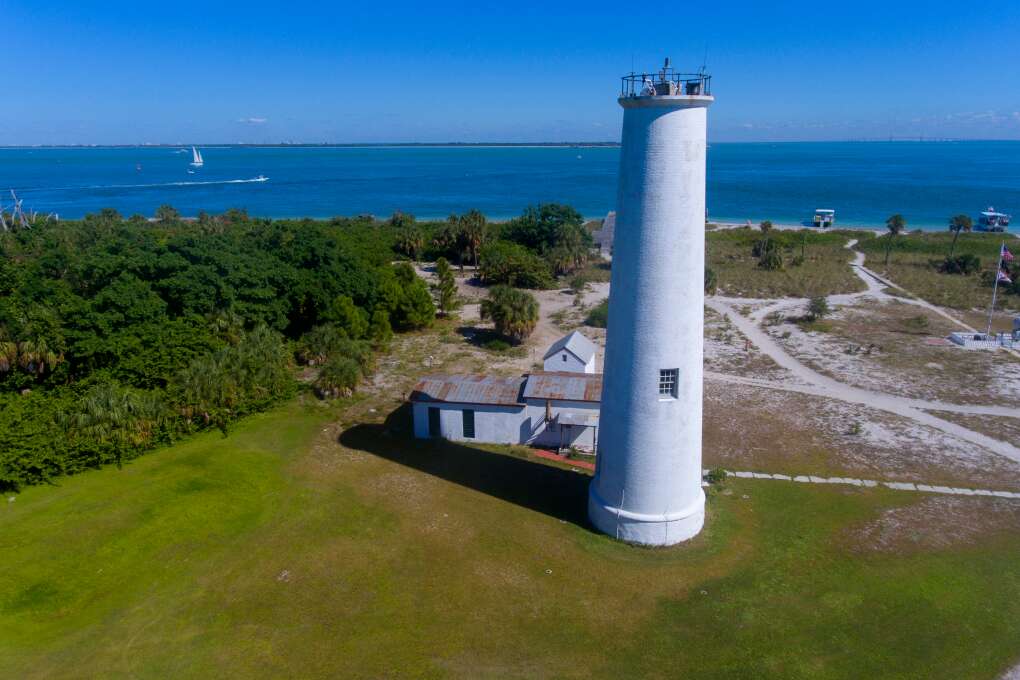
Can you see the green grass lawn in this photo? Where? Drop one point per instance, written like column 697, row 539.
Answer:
column 279, row 552
column 824, row 271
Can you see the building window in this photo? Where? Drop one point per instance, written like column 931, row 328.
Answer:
column 564, row 357
column 667, row 382
column 469, row 424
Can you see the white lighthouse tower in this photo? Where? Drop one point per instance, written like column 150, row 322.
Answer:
column 647, row 485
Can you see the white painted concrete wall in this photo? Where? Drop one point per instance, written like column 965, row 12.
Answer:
column 565, row 360
column 493, row 424
column 647, row 486
column 548, row 435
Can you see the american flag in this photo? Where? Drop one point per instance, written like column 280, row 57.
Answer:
column 1005, row 254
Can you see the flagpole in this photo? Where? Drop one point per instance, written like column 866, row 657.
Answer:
column 995, row 289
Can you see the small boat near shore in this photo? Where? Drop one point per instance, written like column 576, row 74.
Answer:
column 824, row 218
column 196, row 158
column 992, row 220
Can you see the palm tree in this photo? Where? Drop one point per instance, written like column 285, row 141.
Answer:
column 895, row 224
column 410, row 241
column 958, row 223
column 121, row 418
column 167, row 213
column 573, row 244
column 36, row 356
column 513, row 312
column 227, row 325
column 338, row 377
column 8, row 353
column 472, row 234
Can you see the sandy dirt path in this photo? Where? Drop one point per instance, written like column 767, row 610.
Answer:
column 809, row 381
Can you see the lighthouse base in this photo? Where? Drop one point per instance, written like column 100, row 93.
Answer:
column 633, row 527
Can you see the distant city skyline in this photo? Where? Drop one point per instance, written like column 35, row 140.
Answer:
column 123, row 73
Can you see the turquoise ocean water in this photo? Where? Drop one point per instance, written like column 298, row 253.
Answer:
column 864, row 182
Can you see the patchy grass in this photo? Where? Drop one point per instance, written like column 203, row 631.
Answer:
column 278, row 552
column 598, row 315
column 882, row 346
column 596, row 271
column 825, row 269
column 913, row 264
column 996, row 427
column 728, row 351
column 760, row 429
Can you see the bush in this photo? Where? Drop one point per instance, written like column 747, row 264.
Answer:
column 379, row 328
column 711, row 281
column 965, row 264
column 496, row 345
column 505, row 263
column 338, row 378
column 771, row 260
column 598, row 316
column 916, row 324
column 543, row 227
column 220, row 387
column 318, row 344
column 818, row 308
column 405, row 298
column 445, row 287
column 578, row 284
column 716, row 476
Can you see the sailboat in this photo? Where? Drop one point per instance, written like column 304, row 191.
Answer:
column 196, row 158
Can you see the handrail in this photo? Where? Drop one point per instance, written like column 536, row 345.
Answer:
column 664, row 83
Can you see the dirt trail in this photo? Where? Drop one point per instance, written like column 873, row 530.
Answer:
column 809, row 381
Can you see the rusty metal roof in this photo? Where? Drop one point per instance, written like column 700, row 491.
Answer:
column 469, row 389
column 563, row 385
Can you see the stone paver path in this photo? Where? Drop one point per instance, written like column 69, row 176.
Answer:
column 871, row 483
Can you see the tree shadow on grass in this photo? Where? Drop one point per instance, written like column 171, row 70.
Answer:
column 553, row 491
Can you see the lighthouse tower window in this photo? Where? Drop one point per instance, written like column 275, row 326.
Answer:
column 667, row 382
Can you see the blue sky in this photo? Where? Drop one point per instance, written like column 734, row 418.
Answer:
column 182, row 72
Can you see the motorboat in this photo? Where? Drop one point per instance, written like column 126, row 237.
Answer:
column 824, row 217
column 992, row 220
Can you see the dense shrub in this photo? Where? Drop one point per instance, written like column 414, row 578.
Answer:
column 117, row 334
column 965, row 264
column 338, row 378
column 711, row 281
column 502, row 262
column 818, row 308
column 598, row 316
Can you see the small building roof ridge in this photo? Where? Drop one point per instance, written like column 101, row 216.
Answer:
column 575, row 342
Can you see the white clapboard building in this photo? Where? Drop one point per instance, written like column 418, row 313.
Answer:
column 555, row 409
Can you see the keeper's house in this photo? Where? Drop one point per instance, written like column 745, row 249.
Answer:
column 550, row 409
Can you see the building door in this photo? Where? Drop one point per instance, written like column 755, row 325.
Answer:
column 434, row 429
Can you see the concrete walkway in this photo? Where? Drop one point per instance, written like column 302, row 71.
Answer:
column 871, row 483
column 809, row 381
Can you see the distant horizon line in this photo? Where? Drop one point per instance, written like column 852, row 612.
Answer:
column 561, row 144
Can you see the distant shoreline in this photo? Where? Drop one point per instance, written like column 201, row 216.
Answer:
column 386, row 145
column 473, row 145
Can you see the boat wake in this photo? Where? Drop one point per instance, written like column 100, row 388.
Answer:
column 157, row 185
column 192, row 183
